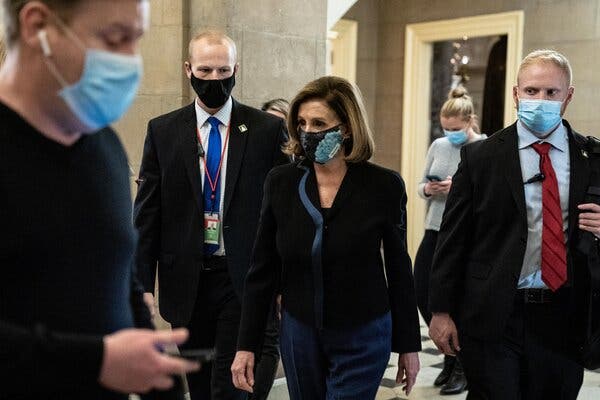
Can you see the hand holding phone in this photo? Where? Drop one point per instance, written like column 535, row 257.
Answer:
column 433, row 178
column 200, row 355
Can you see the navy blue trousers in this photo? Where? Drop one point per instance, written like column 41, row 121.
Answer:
column 328, row 364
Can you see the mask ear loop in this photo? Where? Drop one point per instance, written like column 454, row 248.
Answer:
column 47, row 51
column 69, row 33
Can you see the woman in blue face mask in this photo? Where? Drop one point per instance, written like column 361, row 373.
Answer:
column 459, row 122
column 323, row 223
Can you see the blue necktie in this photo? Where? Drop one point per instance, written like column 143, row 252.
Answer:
column 213, row 159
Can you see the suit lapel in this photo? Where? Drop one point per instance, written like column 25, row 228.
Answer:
column 343, row 194
column 512, row 170
column 578, row 180
column 189, row 149
column 345, row 190
column 239, row 131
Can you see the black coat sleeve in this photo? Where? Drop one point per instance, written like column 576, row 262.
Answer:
column 51, row 361
column 262, row 279
column 454, row 239
column 141, row 314
column 406, row 337
column 147, row 214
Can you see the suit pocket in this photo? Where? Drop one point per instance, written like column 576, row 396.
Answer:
column 479, row 270
column 166, row 260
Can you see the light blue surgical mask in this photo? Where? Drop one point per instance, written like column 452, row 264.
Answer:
column 456, row 137
column 107, row 86
column 540, row 116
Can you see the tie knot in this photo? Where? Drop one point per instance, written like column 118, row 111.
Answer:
column 541, row 148
column 214, row 122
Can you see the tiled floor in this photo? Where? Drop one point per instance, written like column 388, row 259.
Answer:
column 431, row 364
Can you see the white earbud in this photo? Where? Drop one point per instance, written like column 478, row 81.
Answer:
column 43, row 37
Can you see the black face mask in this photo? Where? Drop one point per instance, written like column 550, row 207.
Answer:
column 213, row 93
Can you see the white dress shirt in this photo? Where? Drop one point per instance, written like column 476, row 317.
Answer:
column 224, row 116
column 531, row 274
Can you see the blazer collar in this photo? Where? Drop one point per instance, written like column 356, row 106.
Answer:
column 240, row 128
column 344, row 192
column 188, row 144
column 509, row 149
column 579, row 175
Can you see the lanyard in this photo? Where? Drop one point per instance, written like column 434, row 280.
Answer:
column 211, row 182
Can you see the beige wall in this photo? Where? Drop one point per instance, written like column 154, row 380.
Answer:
column 279, row 49
column 569, row 26
column 366, row 64
column 163, row 86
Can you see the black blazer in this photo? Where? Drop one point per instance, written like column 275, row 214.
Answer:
column 368, row 211
column 168, row 209
column 482, row 239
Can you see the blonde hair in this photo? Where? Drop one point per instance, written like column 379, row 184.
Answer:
column 546, row 56
column 460, row 104
column 213, row 36
column 343, row 98
column 11, row 9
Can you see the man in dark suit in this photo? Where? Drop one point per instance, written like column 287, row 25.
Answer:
column 506, row 268
column 197, row 209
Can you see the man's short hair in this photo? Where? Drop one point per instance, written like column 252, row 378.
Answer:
column 546, row 56
column 213, row 36
column 12, row 8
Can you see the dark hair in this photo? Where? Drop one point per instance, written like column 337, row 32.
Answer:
column 280, row 105
column 343, row 98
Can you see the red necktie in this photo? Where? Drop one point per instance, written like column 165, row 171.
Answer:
column 554, row 251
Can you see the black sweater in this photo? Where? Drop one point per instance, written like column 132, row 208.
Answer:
column 344, row 267
column 66, row 246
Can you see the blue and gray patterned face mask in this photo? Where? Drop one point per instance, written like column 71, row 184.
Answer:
column 321, row 147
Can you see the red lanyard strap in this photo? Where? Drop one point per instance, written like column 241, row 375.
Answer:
column 211, row 182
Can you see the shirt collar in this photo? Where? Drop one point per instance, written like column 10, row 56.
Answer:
column 558, row 139
column 223, row 115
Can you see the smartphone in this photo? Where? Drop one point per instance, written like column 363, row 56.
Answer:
column 433, row 178
column 200, row 355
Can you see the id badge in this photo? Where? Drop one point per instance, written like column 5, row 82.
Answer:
column 211, row 228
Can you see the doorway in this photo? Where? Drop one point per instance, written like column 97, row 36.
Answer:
column 416, row 120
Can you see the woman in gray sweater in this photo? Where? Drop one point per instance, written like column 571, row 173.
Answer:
column 459, row 122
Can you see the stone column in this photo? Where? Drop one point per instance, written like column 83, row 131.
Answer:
column 281, row 47
column 281, row 43
column 164, row 86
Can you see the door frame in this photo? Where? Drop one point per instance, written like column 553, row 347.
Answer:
column 418, row 52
